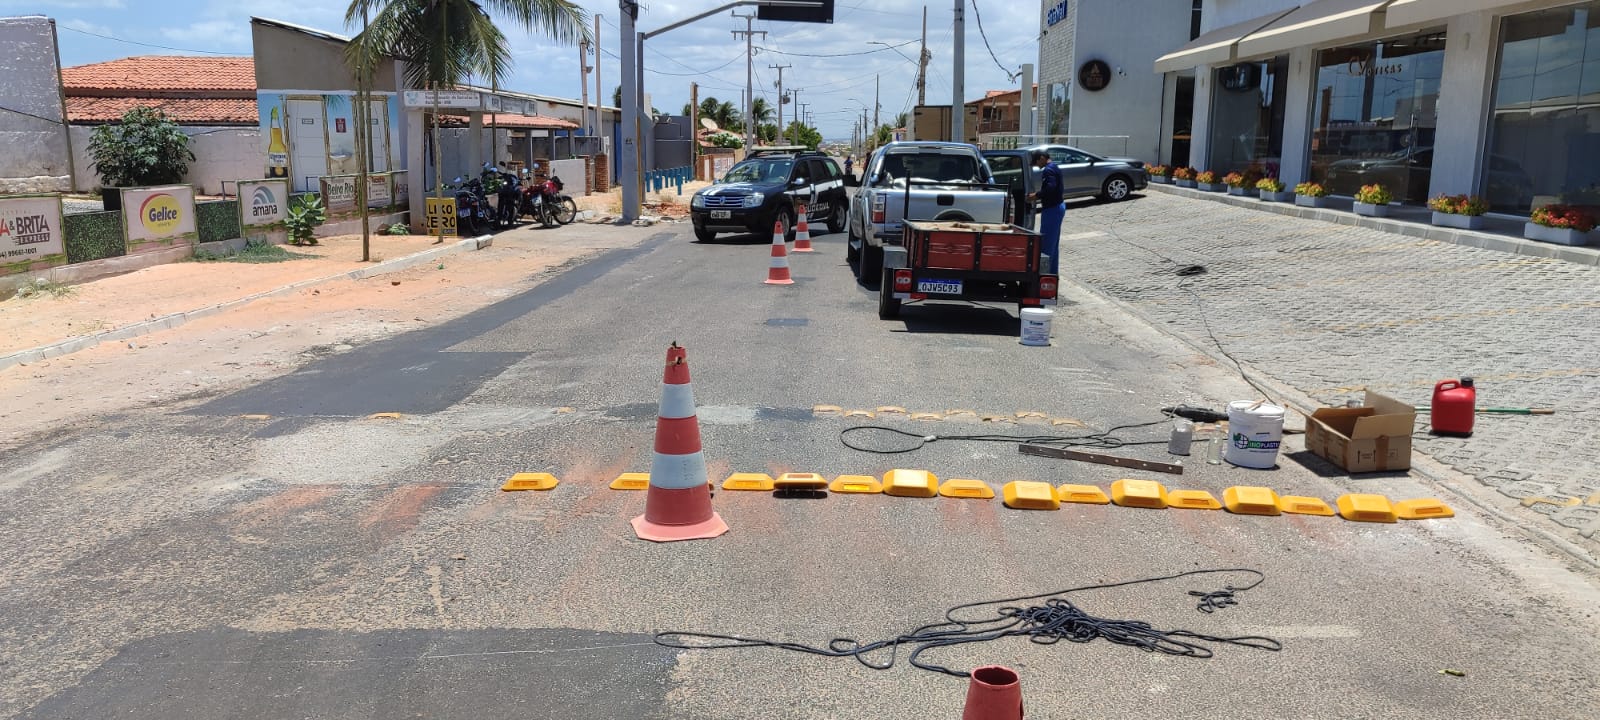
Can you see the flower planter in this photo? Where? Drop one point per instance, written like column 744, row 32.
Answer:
column 1184, row 183
column 1236, row 191
column 1269, row 196
column 1371, row 210
column 1464, row 222
column 1211, row 187
column 1161, row 179
column 1559, row 236
column 1310, row 202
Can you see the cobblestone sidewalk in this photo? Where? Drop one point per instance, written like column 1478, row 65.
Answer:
column 1329, row 309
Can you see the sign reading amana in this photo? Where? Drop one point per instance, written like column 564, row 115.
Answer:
column 263, row 203
column 30, row 228
column 159, row 213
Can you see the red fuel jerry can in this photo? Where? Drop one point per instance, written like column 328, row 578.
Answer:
column 1454, row 405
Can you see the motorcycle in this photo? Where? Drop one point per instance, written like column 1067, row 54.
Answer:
column 566, row 210
column 472, row 207
column 537, row 201
column 509, row 200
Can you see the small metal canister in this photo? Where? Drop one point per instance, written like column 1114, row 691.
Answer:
column 1182, row 436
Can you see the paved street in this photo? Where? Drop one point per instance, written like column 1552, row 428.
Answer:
column 185, row 561
column 1329, row 309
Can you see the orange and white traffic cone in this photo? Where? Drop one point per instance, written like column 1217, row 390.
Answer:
column 678, row 504
column 802, row 233
column 995, row 693
column 778, row 270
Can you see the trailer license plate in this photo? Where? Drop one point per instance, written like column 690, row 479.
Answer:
column 939, row 287
column 721, row 214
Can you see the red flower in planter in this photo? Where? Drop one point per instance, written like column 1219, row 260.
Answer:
column 1566, row 217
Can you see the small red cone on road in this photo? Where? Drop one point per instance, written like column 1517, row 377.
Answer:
column 677, row 505
column 802, row 233
column 995, row 693
column 778, row 270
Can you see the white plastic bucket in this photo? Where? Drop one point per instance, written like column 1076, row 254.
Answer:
column 1036, row 326
column 1255, row 430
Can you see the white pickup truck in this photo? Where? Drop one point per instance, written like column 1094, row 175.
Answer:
column 918, row 181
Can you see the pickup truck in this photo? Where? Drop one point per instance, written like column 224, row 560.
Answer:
column 965, row 261
column 919, row 181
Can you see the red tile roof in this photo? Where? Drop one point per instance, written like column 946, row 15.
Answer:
column 163, row 73
column 184, row 111
column 534, row 122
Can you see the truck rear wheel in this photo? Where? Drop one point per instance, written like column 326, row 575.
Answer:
column 888, row 304
column 871, row 261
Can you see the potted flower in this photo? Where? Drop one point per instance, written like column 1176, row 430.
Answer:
column 1235, row 183
column 1183, row 176
column 1208, row 181
column 1271, row 190
column 1458, row 211
column 1160, row 174
column 1561, row 224
column 1310, row 194
column 1373, row 201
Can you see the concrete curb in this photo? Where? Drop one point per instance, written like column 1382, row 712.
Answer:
column 1581, row 255
column 167, row 322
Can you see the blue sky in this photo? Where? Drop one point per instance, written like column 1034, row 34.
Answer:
column 833, row 88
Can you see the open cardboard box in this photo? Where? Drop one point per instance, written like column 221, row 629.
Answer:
column 1373, row 438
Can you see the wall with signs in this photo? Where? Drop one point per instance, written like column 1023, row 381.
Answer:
column 311, row 135
column 31, row 233
column 158, row 217
column 221, row 155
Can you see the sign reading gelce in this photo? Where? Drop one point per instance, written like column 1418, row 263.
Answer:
column 263, row 203
column 30, row 228
column 158, row 213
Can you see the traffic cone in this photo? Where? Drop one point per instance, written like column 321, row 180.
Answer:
column 778, row 271
column 677, row 505
column 995, row 693
column 802, row 233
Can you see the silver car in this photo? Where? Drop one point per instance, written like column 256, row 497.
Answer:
column 1084, row 174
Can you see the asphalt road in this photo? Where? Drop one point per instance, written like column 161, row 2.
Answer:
column 187, row 562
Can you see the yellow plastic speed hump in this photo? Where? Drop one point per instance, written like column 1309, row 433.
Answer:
column 1193, row 500
column 631, row 481
column 759, row 482
column 962, row 488
column 1251, row 500
column 1302, row 505
column 856, row 484
column 1422, row 509
column 1091, row 494
column 1139, row 494
column 1362, row 507
column 530, row 481
column 910, row 483
column 800, row 481
column 1030, row 495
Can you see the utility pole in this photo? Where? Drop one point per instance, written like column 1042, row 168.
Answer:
column 599, row 97
column 876, row 105
column 922, row 62
column 628, row 154
column 583, row 78
column 803, row 117
column 796, row 99
column 694, row 126
column 958, row 109
column 781, row 131
column 749, row 76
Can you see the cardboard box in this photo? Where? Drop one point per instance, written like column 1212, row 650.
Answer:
column 1373, row 438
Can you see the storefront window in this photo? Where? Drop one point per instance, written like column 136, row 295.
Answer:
column 1375, row 115
column 1058, row 109
column 1545, row 134
column 1247, row 117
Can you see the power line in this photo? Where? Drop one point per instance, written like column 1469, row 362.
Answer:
column 834, row 55
column 1004, row 69
column 145, row 44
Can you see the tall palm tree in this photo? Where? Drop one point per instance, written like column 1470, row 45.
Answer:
column 728, row 116
column 760, row 111
column 446, row 42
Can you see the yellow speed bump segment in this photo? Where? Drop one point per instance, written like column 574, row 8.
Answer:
column 865, row 484
column 1091, row 494
column 891, row 410
column 384, row 416
column 631, row 481
column 1302, row 505
column 963, row 488
column 926, row 416
column 759, row 482
column 256, row 416
column 1030, row 495
column 1193, row 500
column 1139, row 493
column 1251, row 500
column 910, row 483
column 530, row 481
column 800, row 481
column 1422, row 509
column 826, row 410
column 859, row 414
column 1362, row 507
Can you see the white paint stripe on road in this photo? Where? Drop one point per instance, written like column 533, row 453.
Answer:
column 677, row 401
column 678, row 472
column 1083, row 235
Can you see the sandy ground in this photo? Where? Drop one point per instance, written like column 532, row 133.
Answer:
column 265, row 338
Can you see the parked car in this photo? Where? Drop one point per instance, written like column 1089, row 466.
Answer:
column 1084, row 174
column 765, row 188
column 918, row 181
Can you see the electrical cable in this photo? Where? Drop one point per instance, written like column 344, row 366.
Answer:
column 145, row 44
column 1046, row 623
column 1106, row 440
column 834, row 55
column 1010, row 76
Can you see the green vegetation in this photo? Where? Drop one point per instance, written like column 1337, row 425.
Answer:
column 144, row 148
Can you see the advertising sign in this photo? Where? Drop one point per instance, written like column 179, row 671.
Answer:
column 30, row 228
column 263, row 203
column 158, row 213
column 378, row 194
column 441, row 216
column 461, row 99
column 339, row 194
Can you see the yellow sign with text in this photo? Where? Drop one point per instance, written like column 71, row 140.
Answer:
column 441, row 216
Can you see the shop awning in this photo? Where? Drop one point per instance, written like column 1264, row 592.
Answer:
column 1215, row 47
column 1410, row 12
column 1322, row 22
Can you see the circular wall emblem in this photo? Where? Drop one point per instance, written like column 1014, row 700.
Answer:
column 1094, row 76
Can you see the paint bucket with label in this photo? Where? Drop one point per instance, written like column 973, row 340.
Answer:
column 1255, row 429
column 1036, row 326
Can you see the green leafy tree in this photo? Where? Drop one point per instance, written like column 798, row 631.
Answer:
column 768, row 133
column 144, row 148
column 761, row 111
column 306, row 212
column 802, row 134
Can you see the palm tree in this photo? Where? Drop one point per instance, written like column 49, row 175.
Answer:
column 446, row 42
column 728, row 116
column 761, row 111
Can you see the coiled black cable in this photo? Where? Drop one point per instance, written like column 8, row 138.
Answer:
column 1047, row 623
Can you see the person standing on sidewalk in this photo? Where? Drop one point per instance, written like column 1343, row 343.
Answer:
column 1051, row 207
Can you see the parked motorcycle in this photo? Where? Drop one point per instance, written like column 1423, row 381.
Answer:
column 509, row 200
column 537, row 202
column 472, row 208
column 566, row 210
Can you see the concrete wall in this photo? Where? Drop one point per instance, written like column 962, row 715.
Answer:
column 291, row 60
column 33, row 140
column 1463, row 117
column 1055, row 56
column 220, row 154
column 1132, row 104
